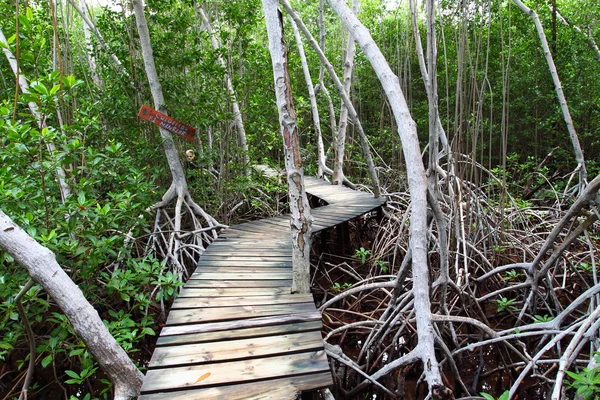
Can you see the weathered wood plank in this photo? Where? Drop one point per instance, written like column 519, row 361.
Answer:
column 243, row 333
column 253, row 257
column 236, row 275
column 244, row 270
column 199, row 283
column 233, row 372
column 280, row 389
column 248, row 263
column 235, row 349
column 232, row 292
column 200, row 302
column 211, row 314
column 243, row 323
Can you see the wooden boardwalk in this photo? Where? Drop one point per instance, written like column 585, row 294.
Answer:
column 235, row 331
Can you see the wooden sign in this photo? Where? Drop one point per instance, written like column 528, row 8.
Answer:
column 166, row 122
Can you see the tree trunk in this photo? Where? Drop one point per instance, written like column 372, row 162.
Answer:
column 322, row 162
column 321, row 165
column 89, row 49
column 43, row 268
column 237, row 114
column 364, row 142
column 178, row 190
column 559, row 92
column 417, row 181
column 118, row 65
column 301, row 219
column 340, row 138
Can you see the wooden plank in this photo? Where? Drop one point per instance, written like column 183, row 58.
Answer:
column 251, row 257
column 199, row 283
column 233, row 292
column 244, row 323
column 280, row 389
column 236, row 275
column 198, row 302
column 249, row 242
column 235, row 349
column 236, row 371
column 244, row 270
column 248, row 263
column 196, row 315
column 244, row 333
column 247, row 252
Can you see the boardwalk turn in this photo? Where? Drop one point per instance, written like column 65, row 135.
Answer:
column 235, row 331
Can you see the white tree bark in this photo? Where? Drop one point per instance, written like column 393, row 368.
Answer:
column 559, row 91
column 65, row 190
column 301, row 218
column 340, row 138
column 89, row 47
column 351, row 110
column 425, row 73
column 417, row 181
column 588, row 35
column 322, row 166
column 179, row 184
column 178, row 189
column 321, row 22
column 237, row 114
column 117, row 63
column 43, row 268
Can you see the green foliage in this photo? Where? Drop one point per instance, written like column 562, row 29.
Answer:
column 505, row 304
column 586, row 382
column 503, row 396
column 542, row 318
column 336, row 287
column 362, row 254
column 383, row 265
column 512, row 275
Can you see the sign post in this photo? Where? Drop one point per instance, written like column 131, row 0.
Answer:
column 168, row 123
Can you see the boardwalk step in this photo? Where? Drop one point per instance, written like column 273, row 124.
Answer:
column 280, row 389
column 196, row 376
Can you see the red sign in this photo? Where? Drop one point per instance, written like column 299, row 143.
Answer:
column 166, row 122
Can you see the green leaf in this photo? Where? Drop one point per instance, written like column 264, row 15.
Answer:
column 72, row 374
column 54, row 89
column 504, row 396
column 76, row 352
column 29, row 13
column 487, row 396
column 47, row 360
column 148, row 331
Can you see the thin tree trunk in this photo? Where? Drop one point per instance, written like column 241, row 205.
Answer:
column 340, row 138
column 89, row 47
column 301, row 218
column 117, row 63
column 332, row 121
column 178, row 190
column 417, row 181
column 43, row 268
column 425, row 75
column 237, row 114
column 351, row 110
column 559, row 92
column 65, row 190
column 322, row 166
column 590, row 39
column 322, row 163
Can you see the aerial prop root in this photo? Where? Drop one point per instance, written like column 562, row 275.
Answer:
column 181, row 231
